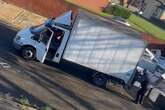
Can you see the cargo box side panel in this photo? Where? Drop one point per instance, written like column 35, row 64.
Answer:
column 97, row 45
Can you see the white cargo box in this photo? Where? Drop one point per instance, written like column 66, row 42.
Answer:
column 105, row 46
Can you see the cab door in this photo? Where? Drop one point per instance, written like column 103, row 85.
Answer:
column 62, row 46
column 43, row 46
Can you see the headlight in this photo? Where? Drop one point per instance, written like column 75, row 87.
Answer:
column 17, row 38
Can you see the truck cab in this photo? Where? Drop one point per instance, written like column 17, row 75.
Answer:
column 45, row 41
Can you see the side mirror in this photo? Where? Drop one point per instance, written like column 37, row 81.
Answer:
column 163, row 76
column 48, row 22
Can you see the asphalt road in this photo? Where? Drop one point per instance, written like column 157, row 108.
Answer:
column 62, row 87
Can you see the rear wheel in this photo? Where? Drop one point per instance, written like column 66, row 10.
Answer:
column 100, row 80
column 28, row 53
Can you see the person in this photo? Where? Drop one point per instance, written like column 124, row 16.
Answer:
column 141, row 7
column 141, row 92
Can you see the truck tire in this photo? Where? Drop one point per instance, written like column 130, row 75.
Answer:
column 100, row 80
column 28, row 53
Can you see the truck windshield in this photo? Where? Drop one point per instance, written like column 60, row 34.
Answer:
column 38, row 29
column 41, row 33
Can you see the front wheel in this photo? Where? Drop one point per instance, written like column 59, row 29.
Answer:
column 28, row 53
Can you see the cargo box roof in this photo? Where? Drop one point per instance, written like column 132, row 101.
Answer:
column 113, row 24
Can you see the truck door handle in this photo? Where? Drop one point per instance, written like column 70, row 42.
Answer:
column 46, row 49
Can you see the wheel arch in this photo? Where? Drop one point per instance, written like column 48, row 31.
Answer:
column 104, row 78
column 24, row 46
column 33, row 49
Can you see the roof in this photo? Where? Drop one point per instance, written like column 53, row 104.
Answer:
column 93, row 5
column 152, row 40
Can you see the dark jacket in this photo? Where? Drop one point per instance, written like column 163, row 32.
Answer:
column 144, row 85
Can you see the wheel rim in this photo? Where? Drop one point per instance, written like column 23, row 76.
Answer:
column 28, row 54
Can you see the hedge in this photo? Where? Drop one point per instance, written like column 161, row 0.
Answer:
column 117, row 10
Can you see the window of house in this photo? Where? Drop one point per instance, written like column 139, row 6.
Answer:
column 158, row 13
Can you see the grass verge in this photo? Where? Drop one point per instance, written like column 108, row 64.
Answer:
column 145, row 26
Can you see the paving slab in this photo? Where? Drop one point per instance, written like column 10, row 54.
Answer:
column 18, row 17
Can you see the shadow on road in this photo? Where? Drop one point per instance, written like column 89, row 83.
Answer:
column 83, row 74
column 7, row 34
column 15, row 91
column 47, row 84
column 74, row 70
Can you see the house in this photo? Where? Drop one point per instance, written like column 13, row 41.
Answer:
column 92, row 5
column 154, row 9
column 54, row 8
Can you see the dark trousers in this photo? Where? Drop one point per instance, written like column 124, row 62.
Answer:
column 140, row 96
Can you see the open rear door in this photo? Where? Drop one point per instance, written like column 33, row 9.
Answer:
column 43, row 46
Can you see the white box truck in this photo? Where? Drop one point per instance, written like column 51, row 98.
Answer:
column 110, row 49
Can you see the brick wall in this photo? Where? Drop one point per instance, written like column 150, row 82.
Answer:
column 53, row 8
column 94, row 5
column 48, row 8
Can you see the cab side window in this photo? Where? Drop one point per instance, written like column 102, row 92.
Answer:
column 35, row 37
column 45, row 36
